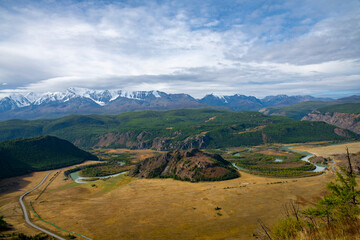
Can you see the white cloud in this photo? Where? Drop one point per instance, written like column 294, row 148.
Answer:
column 158, row 47
column 212, row 24
column 331, row 39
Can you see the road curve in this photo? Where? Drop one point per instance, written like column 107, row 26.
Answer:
column 26, row 214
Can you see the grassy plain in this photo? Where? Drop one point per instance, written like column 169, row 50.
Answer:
column 12, row 188
column 129, row 208
column 335, row 152
column 327, row 151
column 139, row 154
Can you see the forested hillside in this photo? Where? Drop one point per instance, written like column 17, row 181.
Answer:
column 295, row 111
column 176, row 129
column 299, row 110
column 21, row 156
column 342, row 108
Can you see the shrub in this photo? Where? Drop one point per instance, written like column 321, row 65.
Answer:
column 287, row 228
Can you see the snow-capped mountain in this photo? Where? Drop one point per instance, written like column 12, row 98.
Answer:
column 100, row 97
column 235, row 102
column 89, row 101
column 13, row 101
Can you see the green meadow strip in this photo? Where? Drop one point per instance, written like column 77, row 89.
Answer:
column 32, row 208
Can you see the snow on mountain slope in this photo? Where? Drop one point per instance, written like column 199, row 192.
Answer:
column 100, row 97
column 20, row 100
column 80, row 101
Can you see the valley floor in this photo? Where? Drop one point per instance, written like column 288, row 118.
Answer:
column 129, row 208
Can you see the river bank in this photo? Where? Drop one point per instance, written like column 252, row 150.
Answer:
column 75, row 176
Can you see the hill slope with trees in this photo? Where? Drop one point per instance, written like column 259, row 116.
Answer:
column 176, row 129
column 193, row 165
column 22, row 156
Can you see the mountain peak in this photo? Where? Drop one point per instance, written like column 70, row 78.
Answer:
column 76, row 100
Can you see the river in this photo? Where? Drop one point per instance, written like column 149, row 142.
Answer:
column 319, row 167
column 75, row 176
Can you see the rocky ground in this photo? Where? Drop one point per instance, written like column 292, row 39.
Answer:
column 348, row 121
column 193, row 165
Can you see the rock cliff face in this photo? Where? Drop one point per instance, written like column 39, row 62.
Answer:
column 193, row 165
column 348, row 121
column 145, row 140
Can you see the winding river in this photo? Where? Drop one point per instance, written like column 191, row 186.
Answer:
column 319, row 167
column 75, row 176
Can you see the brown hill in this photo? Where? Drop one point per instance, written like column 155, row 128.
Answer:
column 193, row 165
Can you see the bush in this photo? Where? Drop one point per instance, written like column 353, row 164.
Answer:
column 287, row 228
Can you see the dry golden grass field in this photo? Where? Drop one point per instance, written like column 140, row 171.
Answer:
column 327, row 151
column 129, row 208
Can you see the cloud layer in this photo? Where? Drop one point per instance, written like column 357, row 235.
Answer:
column 259, row 49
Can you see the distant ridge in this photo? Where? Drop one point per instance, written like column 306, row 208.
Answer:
column 89, row 101
column 176, row 129
column 300, row 110
column 345, row 115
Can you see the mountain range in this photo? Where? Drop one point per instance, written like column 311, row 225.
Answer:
column 32, row 105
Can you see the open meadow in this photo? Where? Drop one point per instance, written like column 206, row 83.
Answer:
column 128, row 208
column 327, row 151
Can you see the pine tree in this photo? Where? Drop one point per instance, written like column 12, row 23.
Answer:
column 342, row 201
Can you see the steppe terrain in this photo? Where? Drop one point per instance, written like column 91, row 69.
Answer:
column 327, row 151
column 130, row 208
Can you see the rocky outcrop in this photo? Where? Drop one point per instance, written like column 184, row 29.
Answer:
column 192, row 165
column 341, row 132
column 146, row 140
column 129, row 139
column 348, row 121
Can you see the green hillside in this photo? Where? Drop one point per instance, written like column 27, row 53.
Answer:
column 297, row 111
column 342, row 108
column 168, row 130
column 25, row 155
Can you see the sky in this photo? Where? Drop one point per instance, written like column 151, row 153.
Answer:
column 225, row 47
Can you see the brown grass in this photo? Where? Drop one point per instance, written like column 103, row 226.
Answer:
column 273, row 152
column 212, row 118
column 327, row 151
column 128, row 208
column 255, row 129
column 141, row 154
column 9, row 196
column 342, row 230
column 330, row 151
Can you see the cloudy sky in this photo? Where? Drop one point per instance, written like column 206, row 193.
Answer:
column 224, row 47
